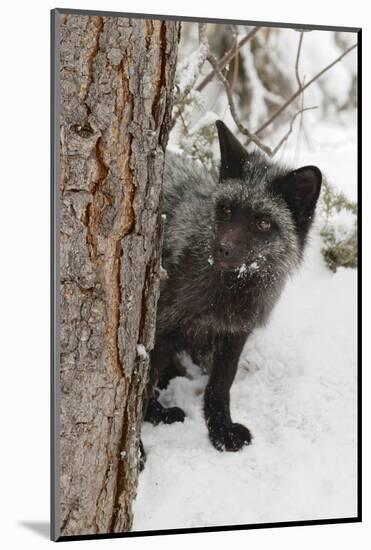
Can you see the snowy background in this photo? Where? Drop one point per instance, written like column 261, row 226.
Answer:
column 296, row 387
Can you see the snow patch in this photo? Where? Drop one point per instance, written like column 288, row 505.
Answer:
column 142, row 352
column 241, row 270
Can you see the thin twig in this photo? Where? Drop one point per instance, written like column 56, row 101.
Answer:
column 300, row 84
column 297, row 60
column 227, row 57
column 289, row 131
column 234, row 29
column 211, row 59
column 235, row 67
column 301, row 123
column 301, row 90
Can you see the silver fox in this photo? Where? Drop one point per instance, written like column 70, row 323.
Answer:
column 229, row 246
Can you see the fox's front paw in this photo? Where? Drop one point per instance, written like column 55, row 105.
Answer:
column 229, row 437
column 156, row 413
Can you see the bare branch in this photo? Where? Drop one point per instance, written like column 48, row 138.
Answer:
column 235, row 66
column 211, row 59
column 301, row 90
column 300, row 84
column 223, row 62
column 234, row 29
column 218, row 67
column 297, row 61
column 301, row 121
column 252, row 137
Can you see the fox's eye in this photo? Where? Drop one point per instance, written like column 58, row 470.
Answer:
column 225, row 211
column 263, row 225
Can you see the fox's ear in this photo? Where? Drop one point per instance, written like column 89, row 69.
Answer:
column 233, row 154
column 301, row 189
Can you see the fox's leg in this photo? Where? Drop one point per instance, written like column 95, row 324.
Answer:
column 224, row 434
column 162, row 358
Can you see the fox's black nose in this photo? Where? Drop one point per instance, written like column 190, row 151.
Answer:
column 225, row 251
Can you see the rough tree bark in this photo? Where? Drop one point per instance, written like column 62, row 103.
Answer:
column 116, row 83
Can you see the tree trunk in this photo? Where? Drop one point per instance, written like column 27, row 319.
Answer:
column 116, row 81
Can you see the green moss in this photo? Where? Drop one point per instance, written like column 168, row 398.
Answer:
column 203, row 141
column 334, row 200
column 339, row 249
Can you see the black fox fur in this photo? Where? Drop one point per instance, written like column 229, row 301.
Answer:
column 229, row 247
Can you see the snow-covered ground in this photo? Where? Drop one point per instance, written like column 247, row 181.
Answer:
column 296, row 390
